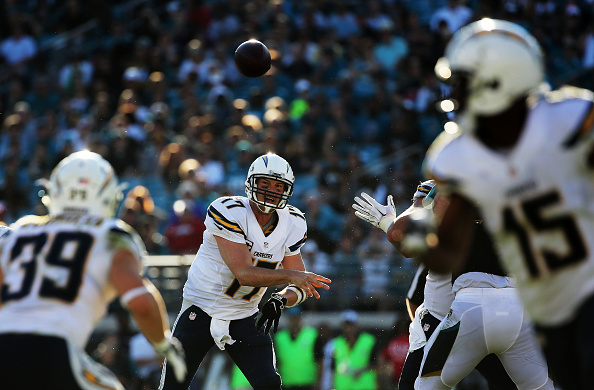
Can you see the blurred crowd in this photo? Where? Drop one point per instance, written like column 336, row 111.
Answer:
column 350, row 102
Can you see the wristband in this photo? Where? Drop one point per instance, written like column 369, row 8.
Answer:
column 301, row 295
column 385, row 223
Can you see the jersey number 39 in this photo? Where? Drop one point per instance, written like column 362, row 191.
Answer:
column 66, row 256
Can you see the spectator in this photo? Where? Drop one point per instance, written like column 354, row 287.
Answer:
column 344, row 22
column 391, row 47
column 299, row 352
column 184, row 235
column 76, row 67
column 455, row 15
column 393, row 355
column 375, row 264
column 350, row 360
column 18, row 49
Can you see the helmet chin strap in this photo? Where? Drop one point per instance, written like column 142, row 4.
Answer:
column 264, row 209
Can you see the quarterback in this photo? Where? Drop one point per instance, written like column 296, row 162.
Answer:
column 250, row 243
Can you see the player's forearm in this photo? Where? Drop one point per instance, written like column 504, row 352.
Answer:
column 397, row 230
column 442, row 259
column 149, row 312
column 261, row 277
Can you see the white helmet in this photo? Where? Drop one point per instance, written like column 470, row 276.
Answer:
column 270, row 166
column 496, row 62
column 84, row 183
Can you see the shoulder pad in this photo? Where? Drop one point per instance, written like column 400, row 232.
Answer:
column 122, row 227
column 437, row 163
column 31, row 220
column 4, row 230
column 231, row 202
column 122, row 235
column 566, row 93
column 294, row 211
column 567, row 114
column 225, row 212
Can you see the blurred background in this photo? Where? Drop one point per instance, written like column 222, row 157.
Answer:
column 350, row 102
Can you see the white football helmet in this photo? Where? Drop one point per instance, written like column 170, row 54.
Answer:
column 494, row 62
column 84, row 183
column 270, row 166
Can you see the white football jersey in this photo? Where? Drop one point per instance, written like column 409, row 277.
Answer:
column 56, row 273
column 537, row 200
column 211, row 285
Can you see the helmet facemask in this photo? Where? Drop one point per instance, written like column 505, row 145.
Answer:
column 271, row 167
column 267, row 205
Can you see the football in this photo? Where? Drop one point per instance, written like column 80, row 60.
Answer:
column 252, row 58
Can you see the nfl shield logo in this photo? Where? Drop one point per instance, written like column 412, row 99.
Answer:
column 265, row 245
column 426, row 327
column 192, row 316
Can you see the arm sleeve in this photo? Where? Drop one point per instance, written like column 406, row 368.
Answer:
column 297, row 235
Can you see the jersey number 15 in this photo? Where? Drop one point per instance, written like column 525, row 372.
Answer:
column 533, row 211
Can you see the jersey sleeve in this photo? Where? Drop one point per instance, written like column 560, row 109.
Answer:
column 570, row 111
column 581, row 135
column 4, row 230
column 223, row 219
column 297, row 234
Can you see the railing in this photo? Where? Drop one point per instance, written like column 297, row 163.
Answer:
column 169, row 273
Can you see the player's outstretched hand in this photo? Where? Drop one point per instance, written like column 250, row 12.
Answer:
column 172, row 350
column 309, row 281
column 271, row 313
column 370, row 210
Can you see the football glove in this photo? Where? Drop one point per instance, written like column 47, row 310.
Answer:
column 172, row 350
column 271, row 313
column 368, row 209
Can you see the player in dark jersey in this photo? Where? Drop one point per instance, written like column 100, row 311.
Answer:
column 485, row 318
